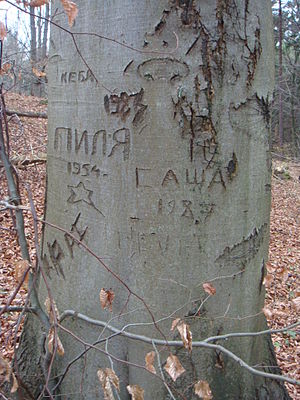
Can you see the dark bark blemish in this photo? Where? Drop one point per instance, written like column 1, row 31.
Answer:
column 232, row 166
column 127, row 67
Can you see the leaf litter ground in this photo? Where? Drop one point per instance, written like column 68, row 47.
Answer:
column 28, row 142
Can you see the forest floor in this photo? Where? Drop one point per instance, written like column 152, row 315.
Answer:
column 28, row 149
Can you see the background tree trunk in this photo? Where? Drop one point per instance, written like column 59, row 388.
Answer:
column 162, row 168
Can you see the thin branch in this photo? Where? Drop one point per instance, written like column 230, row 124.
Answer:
column 112, row 356
column 204, row 343
column 162, row 372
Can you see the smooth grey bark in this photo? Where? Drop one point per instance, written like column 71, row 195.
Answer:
column 166, row 176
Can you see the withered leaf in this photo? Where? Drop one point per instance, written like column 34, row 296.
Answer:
column 137, row 393
column 174, row 367
column 20, row 269
column 38, row 3
column 5, row 69
column 37, row 73
column 209, row 288
column 268, row 313
column 50, row 309
column 202, row 390
column 106, row 298
column 15, row 384
column 149, row 360
column 296, row 304
column 5, row 370
column 174, row 323
column 71, row 10
column 3, row 32
column 108, row 379
column 186, row 335
column 51, row 343
column 282, row 273
column 268, row 279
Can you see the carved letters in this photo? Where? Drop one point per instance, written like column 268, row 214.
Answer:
column 76, row 77
column 77, row 232
column 101, row 143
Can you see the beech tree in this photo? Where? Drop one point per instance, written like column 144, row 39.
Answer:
column 158, row 199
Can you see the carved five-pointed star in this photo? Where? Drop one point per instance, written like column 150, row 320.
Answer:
column 81, row 193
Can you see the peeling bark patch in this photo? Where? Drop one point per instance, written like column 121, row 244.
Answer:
column 162, row 23
column 188, row 12
column 254, row 50
column 219, row 52
column 253, row 57
column 163, row 68
column 241, row 253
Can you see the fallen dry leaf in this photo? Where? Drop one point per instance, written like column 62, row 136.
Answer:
column 15, row 384
column 268, row 279
column 5, row 370
column 268, row 312
column 296, row 304
column 174, row 367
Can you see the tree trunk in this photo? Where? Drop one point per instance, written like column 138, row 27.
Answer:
column 281, row 134
column 33, row 41
column 45, row 33
column 162, row 168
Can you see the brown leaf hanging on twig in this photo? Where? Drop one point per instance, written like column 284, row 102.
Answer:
column 202, row 390
column 108, row 379
column 149, row 360
column 106, row 298
column 20, row 268
column 209, row 288
column 137, row 393
column 38, row 3
column 173, row 367
column 37, row 73
column 174, row 323
column 51, row 343
column 71, row 10
column 3, row 32
column 185, row 334
column 49, row 309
